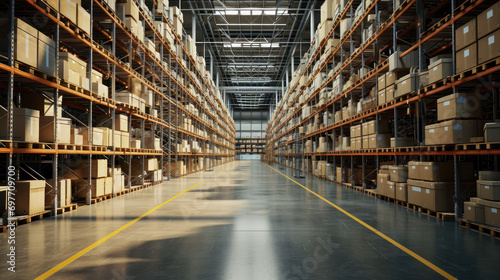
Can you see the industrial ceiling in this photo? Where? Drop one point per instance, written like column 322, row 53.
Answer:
column 251, row 46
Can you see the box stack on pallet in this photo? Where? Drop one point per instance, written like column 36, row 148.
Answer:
column 484, row 209
column 400, row 102
column 114, row 101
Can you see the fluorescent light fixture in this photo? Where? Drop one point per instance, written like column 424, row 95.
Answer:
column 251, row 45
column 252, row 12
column 253, row 24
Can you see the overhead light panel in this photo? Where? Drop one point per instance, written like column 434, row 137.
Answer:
column 252, row 12
column 251, row 45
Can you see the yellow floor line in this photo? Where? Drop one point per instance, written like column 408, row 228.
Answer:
column 99, row 242
column 392, row 241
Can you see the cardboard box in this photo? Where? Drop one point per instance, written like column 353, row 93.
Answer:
column 108, row 185
column 407, row 84
column 71, row 68
column 488, row 21
column 63, row 196
column 402, row 142
column 382, row 184
column 381, row 82
column 25, row 43
column 489, row 190
column 76, row 138
column 489, row 175
column 135, row 144
column 176, row 13
column 391, row 189
column 128, row 9
column 457, row 131
column 389, row 93
column 25, row 125
column 431, row 134
column 435, row 196
column 379, row 141
column 383, row 126
column 125, row 140
column 399, row 174
column 466, row 58
column 440, row 171
column 474, row 212
column 99, row 169
column 117, row 138
column 458, row 105
column 327, row 9
column 492, row 132
column 30, row 197
column 150, row 164
column 381, row 97
column 47, row 125
column 83, row 19
column 46, row 57
column 68, row 9
column 98, row 187
column 440, row 69
column 106, row 132
column 465, row 35
column 401, row 192
column 414, row 192
column 488, row 47
column 97, row 136
column 131, row 23
column 100, row 89
column 36, row 101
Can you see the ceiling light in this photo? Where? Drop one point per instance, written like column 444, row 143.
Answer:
column 251, row 45
column 252, row 11
column 253, row 24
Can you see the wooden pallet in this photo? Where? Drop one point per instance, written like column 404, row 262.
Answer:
column 482, row 228
column 65, row 209
column 26, row 145
column 21, row 220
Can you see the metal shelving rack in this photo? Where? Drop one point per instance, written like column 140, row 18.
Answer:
column 406, row 23
column 112, row 49
column 259, row 144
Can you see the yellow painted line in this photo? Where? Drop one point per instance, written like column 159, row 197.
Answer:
column 392, row 241
column 99, row 242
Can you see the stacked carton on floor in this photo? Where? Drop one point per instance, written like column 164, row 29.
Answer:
column 485, row 207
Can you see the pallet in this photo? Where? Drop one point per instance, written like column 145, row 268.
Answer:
column 481, row 228
column 482, row 67
column 26, row 145
column 65, row 209
column 21, row 220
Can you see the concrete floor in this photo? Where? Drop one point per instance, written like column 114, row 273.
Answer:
column 248, row 222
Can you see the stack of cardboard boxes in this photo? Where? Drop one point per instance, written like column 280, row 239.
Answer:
column 431, row 184
column 485, row 207
column 458, row 115
column 368, row 136
column 478, row 40
column 391, row 182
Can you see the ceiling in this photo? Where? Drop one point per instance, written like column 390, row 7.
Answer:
column 251, row 44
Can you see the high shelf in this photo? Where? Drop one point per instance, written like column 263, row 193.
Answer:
column 372, row 91
column 106, row 86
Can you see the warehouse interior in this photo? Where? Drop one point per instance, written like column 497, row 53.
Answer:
column 157, row 139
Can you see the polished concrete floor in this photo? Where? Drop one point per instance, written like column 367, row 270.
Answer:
column 248, row 222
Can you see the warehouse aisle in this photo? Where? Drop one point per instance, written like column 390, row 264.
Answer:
column 248, row 222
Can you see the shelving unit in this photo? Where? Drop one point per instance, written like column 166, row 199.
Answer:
column 329, row 78
column 250, row 145
column 185, row 126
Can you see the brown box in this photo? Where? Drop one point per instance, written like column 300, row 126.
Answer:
column 489, row 190
column 382, row 184
column 64, row 194
column 97, row 136
column 488, row 21
column 431, row 134
column 457, row 131
column 407, row 84
column 458, row 105
column 108, row 185
column 465, row 35
column 492, row 132
column 25, row 125
column 125, row 139
column 46, row 58
column 68, row 9
column 365, row 144
column 401, row 192
column 83, row 19
column 47, row 125
column 491, row 211
column 466, row 58
column 71, row 68
column 150, row 164
column 389, row 93
column 474, row 212
column 402, row 142
column 381, row 97
column 414, row 192
column 384, row 169
column 379, row 141
column 30, row 197
column 391, row 189
column 399, row 174
column 440, row 69
column 435, row 196
column 489, row 175
column 359, row 143
column 26, row 41
column 391, row 77
column 381, row 82
column 127, row 9
column 383, row 126
column 488, row 47
column 81, row 187
column 76, row 139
